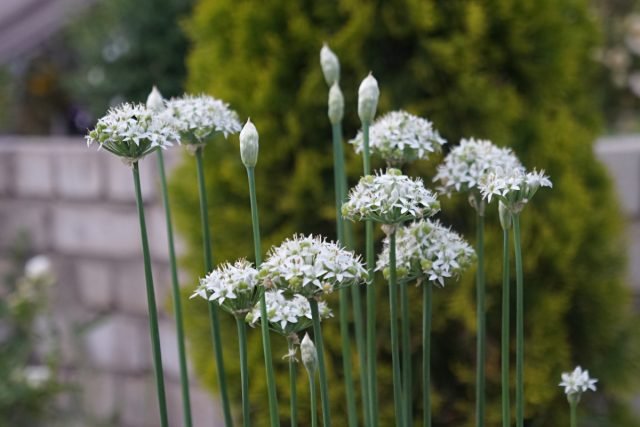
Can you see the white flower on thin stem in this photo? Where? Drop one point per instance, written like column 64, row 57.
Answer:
column 311, row 266
column 399, row 137
column 368, row 94
column 390, row 198
column 577, row 382
column 249, row 144
column 330, row 65
column 200, row 117
column 131, row 131
column 309, row 354
column 513, row 187
column 427, row 251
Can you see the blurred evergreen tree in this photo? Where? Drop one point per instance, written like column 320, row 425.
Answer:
column 518, row 72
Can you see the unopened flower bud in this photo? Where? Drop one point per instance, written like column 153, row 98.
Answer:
column 309, row 354
column 330, row 65
column 368, row 95
column 155, row 102
column 249, row 144
column 505, row 216
column 336, row 104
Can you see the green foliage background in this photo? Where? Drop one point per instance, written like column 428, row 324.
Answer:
column 518, row 72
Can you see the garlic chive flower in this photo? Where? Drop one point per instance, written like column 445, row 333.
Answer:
column 200, row 117
column 390, row 198
column 577, row 382
column 335, row 104
column 513, row 187
column 399, row 137
column 427, row 251
column 287, row 315
column 330, row 65
column 311, row 266
column 368, row 94
column 131, row 131
column 232, row 286
column 309, row 354
column 469, row 162
column 155, row 102
column 249, row 144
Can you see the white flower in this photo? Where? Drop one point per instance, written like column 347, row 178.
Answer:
column 429, row 251
column 37, row 375
column 38, row 267
column 399, row 137
column 309, row 354
column 132, row 131
column 577, row 382
column 390, row 198
column 249, row 144
column 330, row 65
column 368, row 94
column 155, row 102
column 233, row 286
column 513, row 187
column 469, row 162
column 311, row 266
column 287, row 315
column 200, row 117
column 335, row 110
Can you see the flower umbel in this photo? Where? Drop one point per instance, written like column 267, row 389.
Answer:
column 513, row 187
column 399, row 137
column 428, row 251
column 577, row 382
column 390, row 198
column 311, row 266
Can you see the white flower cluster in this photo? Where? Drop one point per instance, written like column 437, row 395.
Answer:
column 200, row 117
column 469, row 162
column 311, row 266
column 399, row 137
column 233, row 286
column 132, row 131
column 514, row 187
column 427, row 250
column 390, row 198
column 577, row 382
column 287, row 315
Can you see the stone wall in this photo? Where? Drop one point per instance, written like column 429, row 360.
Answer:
column 78, row 207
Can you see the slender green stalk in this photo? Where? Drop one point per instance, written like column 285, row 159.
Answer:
column 264, row 326
column 506, row 404
column 519, row 324
column 324, row 385
column 427, row 292
column 481, row 319
column 406, row 353
column 151, row 303
column 314, row 399
column 395, row 344
column 177, row 305
column 344, row 292
column 574, row 416
column 213, row 307
column 371, row 295
column 293, row 374
column 244, row 370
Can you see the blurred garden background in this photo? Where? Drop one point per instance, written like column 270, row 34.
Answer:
column 557, row 80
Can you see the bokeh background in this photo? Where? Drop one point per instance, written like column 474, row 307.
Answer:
column 557, row 80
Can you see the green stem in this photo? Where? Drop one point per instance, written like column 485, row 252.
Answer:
column 393, row 320
column 574, row 416
column 406, row 353
column 324, row 386
column 244, row 370
column 177, row 304
column 213, row 307
column 427, row 292
column 519, row 324
column 151, row 303
column 344, row 292
column 481, row 320
column 506, row 405
column 264, row 326
column 371, row 295
column 293, row 374
column 314, row 398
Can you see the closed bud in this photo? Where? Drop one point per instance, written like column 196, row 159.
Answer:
column 368, row 95
column 330, row 65
column 336, row 104
column 505, row 216
column 155, row 102
column 249, row 144
column 309, row 354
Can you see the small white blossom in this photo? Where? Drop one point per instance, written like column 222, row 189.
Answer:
column 390, row 198
column 311, row 266
column 200, row 117
column 429, row 251
column 469, row 162
column 233, row 286
column 38, row 268
column 513, row 187
column 132, row 131
column 577, row 382
column 399, row 137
